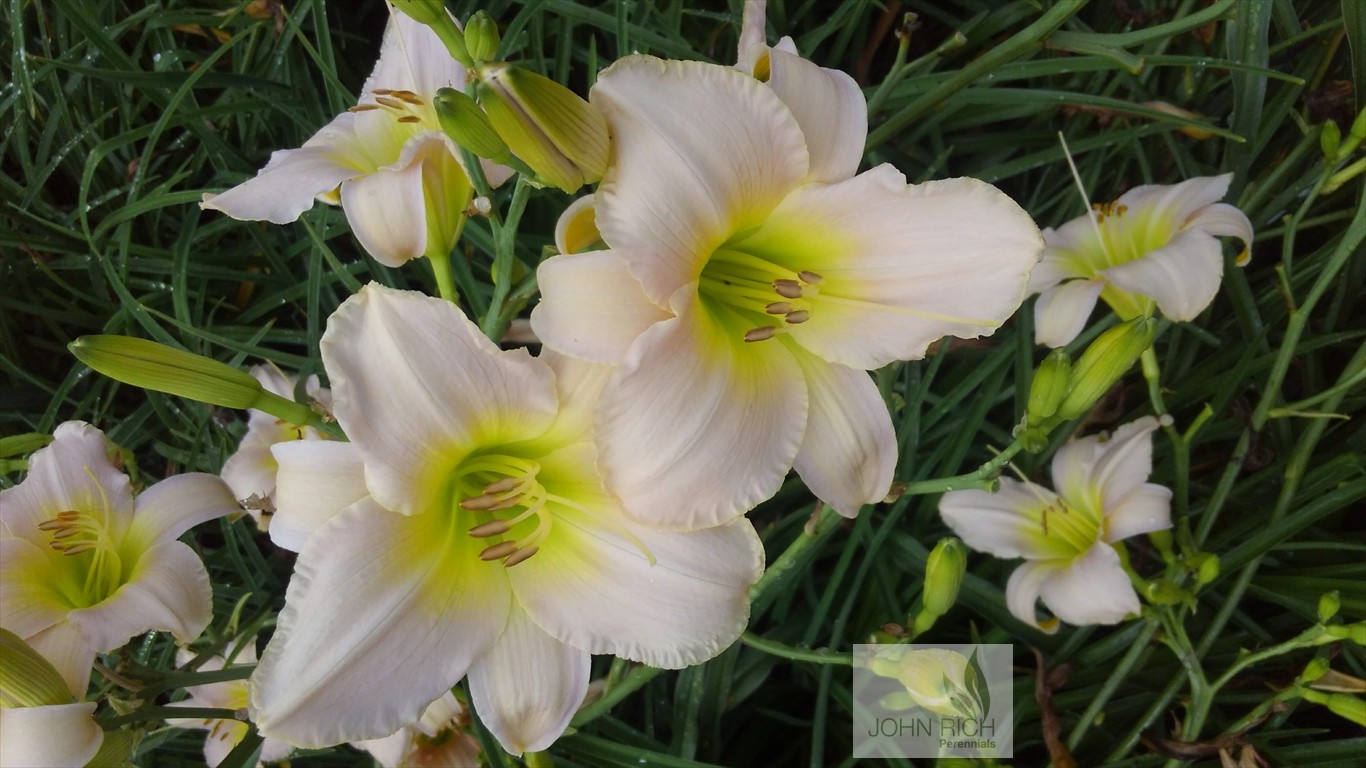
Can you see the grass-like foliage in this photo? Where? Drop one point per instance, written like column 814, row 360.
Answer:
column 119, row 114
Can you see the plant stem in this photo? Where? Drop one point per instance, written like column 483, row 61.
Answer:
column 445, row 283
column 817, row 655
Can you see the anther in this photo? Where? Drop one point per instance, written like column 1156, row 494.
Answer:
column 408, row 96
column 778, row 308
column 498, row 551
column 519, row 556
column 57, row 545
column 762, row 333
column 810, row 278
column 66, row 533
column 788, row 289
column 391, row 103
column 52, row 525
column 502, row 486
column 485, row 501
column 362, row 108
column 491, row 528
column 69, row 515
column 800, row 316
column 76, row 549
column 410, row 119
column 382, row 92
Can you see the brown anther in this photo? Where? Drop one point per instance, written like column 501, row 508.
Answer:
column 381, row 91
column 515, row 501
column 69, row 515
column 498, row 551
column 391, row 103
column 778, row 308
column 810, row 278
column 520, row 556
column 485, row 501
column 410, row 119
column 502, row 486
column 408, row 96
column 57, row 545
column 52, row 525
column 762, row 333
column 491, row 528
column 800, row 316
column 65, row 533
column 76, row 549
column 788, row 289
column 362, row 108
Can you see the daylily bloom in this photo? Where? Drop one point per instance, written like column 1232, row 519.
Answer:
column 40, row 726
column 250, row 470
column 750, row 279
column 1154, row 246
column 401, row 181
column 438, row 740
column 464, row 530
column 224, row 735
column 86, row 567
column 1069, row 537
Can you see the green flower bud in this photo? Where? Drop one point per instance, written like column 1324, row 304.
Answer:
column 1049, row 388
column 1316, row 668
column 944, row 575
column 26, row 678
column 1164, row 592
column 1329, row 139
column 481, row 37
column 1344, row 705
column 433, row 14
column 1103, row 363
column 1329, row 605
column 559, row 135
column 1205, row 566
column 463, row 120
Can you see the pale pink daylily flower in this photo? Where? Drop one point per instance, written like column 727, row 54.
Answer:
column 250, row 470
column 1156, row 246
column 464, row 531
column 400, row 178
column 1069, row 536
column 750, row 279
column 41, row 735
column 86, row 566
column 224, row 735
column 438, row 740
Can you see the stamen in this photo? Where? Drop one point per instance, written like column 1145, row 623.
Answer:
column 762, row 333
column 800, row 316
column 410, row 119
column 788, row 289
column 66, row 533
column 52, row 525
column 484, row 502
column 491, row 528
column 408, row 96
column 498, row 551
column 75, row 549
column 382, row 92
column 362, row 108
column 811, row 278
column 779, row 308
column 503, row 486
column 519, row 556
column 69, row 515
column 391, row 103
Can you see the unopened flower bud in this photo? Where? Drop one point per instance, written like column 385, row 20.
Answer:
column 433, row 14
column 1344, row 705
column 1205, row 566
column 1329, row 139
column 464, row 121
column 944, row 575
column 481, row 37
column 26, row 678
column 1316, row 668
column 1164, row 592
column 1049, row 387
column 1329, row 605
column 1103, row 363
column 559, row 135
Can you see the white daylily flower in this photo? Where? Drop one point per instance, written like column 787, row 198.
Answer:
column 751, row 279
column 1069, row 536
column 401, row 181
column 86, row 567
column 40, row 726
column 250, row 470
column 464, row 531
column 935, row 679
column 1155, row 245
column 438, row 740
column 224, row 735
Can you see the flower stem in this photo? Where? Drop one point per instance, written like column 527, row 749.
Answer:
column 817, row 655
column 445, row 283
column 983, row 478
column 628, row 685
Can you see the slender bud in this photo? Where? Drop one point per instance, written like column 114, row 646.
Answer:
column 1205, row 565
column 1049, row 387
column 1316, row 668
column 1329, row 605
column 1164, row 592
column 559, row 135
column 26, row 678
column 433, row 14
column 463, row 120
column 944, row 575
column 1103, row 363
column 1343, row 705
column 1329, row 139
column 481, row 37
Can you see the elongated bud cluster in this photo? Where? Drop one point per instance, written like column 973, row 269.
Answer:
column 160, row 368
column 559, row 135
column 465, row 122
column 481, row 37
column 26, row 678
column 1103, row 363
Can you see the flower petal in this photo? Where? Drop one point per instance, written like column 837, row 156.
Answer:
column 416, row 386
column 1096, row 473
column 1061, row 312
column 753, row 41
column 177, row 504
column 72, row 473
column 600, row 328
column 317, row 479
column 167, row 589
column 41, row 737
column 70, row 653
column 1008, row 523
column 1182, row 276
column 31, row 595
column 1171, row 206
column 848, row 453
column 528, row 685
column 1093, row 589
column 829, row 107
column 1224, row 220
column 1144, row 509
column 686, row 607
column 577, row 228
column 1022, row 592
column 678, row 187
column 393, row 606
column 412, row 58
column 902, row 266
column 684, row 407
column 388, row 214
column 293, row 178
